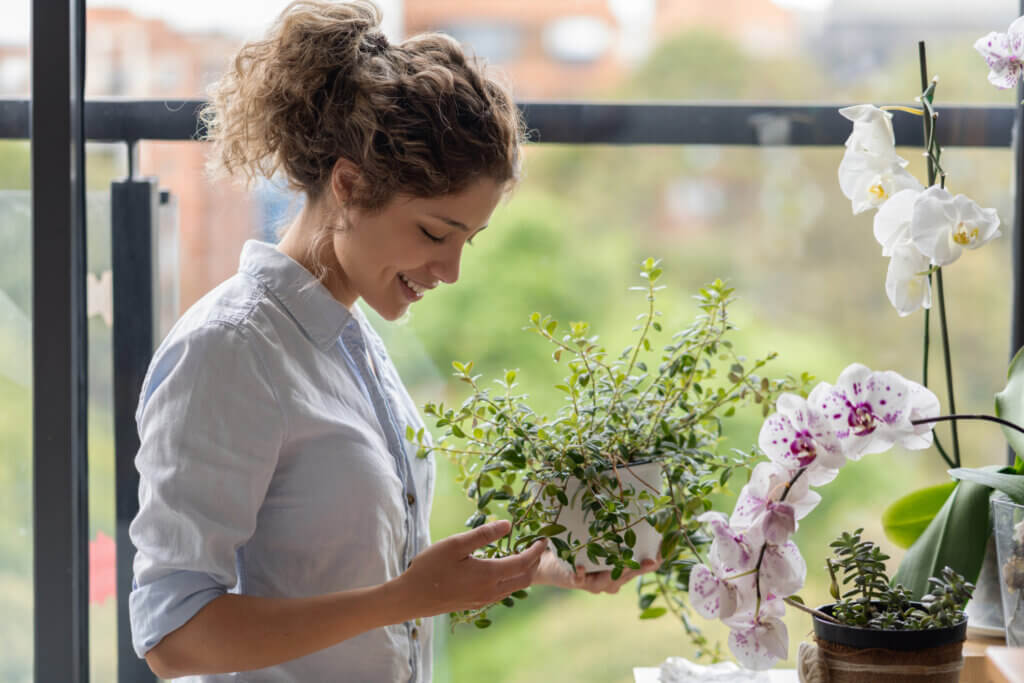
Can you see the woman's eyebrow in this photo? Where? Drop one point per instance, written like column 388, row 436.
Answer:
column 454, row 223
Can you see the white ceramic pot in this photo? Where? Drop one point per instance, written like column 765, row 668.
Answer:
column 643, row 476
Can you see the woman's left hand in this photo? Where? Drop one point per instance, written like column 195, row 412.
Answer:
column 554, row 572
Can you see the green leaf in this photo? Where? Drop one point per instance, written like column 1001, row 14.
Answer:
column 652, row 612
column 482, row 623
column 1010, row 484
column 1010, row 402
column 907, row 518
column 552, row 530
column 630, row 538
column 955, row 538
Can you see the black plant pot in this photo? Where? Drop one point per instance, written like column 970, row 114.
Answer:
column 851, row 654
column 864, row 638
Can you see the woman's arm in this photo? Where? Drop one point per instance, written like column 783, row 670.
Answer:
column 243, row 632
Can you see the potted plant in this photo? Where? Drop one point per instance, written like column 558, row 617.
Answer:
column 622, row 471
column 923, row 230
column 875, row 631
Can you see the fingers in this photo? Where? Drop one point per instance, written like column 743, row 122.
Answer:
column 602, row 582
column 468, row 541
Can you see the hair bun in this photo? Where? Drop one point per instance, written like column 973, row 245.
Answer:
column 377, row 42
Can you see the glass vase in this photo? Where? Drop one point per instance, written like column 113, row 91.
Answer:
column 1008, row 529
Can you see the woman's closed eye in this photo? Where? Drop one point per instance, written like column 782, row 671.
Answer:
column 430, row 236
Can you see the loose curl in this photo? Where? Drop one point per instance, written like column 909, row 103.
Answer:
column 419, row 118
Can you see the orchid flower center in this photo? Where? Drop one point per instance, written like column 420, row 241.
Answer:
column 802, row 448
column 878, row 192
column 964, row 235
column 861, row 419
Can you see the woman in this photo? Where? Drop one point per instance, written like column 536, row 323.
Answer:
column 282, row 528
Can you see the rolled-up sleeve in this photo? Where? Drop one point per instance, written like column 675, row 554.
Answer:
column 211, row 429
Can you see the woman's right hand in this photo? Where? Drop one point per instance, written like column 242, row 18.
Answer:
column 447, row 578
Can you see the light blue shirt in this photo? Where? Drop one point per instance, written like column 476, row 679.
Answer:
column 273, row 462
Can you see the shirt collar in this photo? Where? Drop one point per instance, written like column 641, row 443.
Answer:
column 319, row 314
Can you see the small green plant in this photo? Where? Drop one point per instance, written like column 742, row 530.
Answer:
column 646, row 404
column 872, row 601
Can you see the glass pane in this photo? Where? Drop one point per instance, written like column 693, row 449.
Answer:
column 810, row 50
column 16, row 538
column 104, row 163
column 810, row 284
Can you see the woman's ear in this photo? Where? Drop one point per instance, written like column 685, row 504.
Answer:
column 344, row 176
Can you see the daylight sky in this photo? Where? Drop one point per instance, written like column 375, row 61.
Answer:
column 246, row 18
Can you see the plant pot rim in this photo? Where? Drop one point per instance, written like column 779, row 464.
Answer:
column 888, row 639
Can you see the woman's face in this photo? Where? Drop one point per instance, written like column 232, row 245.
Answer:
column 393, row 257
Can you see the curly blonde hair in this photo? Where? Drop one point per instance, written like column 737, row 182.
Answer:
column 419, row 118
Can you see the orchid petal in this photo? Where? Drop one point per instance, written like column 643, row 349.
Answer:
column 977, row 226
column 783, row 570
column 1003, row 53
column 932, row 226
column 906, row 281
column 768, row 482
column 761, row 645
column 731, row 551
column 797, row 436
column 892, row 222
column 711, row 596
column 869, row 180
column 872, row 130
column 923, row 404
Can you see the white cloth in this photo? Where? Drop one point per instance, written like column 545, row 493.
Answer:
column 273, row 462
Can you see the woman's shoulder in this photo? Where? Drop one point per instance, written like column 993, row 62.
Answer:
column 226, row 327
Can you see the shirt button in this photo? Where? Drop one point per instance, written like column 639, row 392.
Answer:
column 411, row 498
column 415, row 634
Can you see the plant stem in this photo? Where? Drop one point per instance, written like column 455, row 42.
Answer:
column 933, row 152
column 948, row 364
column 764, row 548
column 810, row 610
column 926, row 120
column 954, row 418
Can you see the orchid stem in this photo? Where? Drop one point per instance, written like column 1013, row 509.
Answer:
column 933, row 152
column 948, row 364
column 924, row 373
column 954, row 418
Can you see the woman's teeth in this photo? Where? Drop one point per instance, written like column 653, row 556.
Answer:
column 412, row 285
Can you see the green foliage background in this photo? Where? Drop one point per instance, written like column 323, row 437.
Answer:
column 809, row 276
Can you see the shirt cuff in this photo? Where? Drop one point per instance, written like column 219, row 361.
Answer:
column 166, row 604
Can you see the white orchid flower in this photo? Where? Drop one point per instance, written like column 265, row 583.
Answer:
column 759, row 640
column 1004, row 54
column 783, row 570
column 906, row 282
column 732, row 552
column 798, row 436
column 892, row 222
column 768, row 482
column 711, row 595
column 870, row 411
column 869, row 180
column 923, row 404
column 944, row 225
column 872, row 130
